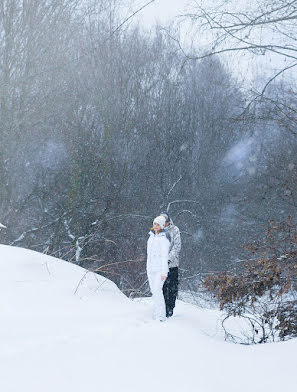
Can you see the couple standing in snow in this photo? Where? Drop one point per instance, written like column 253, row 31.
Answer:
column 163, row 249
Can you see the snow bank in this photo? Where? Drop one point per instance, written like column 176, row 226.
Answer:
column 65, row 330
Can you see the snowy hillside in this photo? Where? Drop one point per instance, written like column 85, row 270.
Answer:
column 64, row 331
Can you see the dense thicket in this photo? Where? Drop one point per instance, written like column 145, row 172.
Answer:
column 102, row 128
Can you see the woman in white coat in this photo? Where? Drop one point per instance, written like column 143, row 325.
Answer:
column 157, row 266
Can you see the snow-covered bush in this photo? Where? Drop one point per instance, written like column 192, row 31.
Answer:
column 263, row 294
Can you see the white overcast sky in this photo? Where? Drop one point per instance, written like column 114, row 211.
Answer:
column 162, row 10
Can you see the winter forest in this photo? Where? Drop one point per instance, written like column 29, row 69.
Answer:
column 104, row 124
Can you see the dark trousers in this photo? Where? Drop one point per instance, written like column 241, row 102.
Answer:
column 170, row 289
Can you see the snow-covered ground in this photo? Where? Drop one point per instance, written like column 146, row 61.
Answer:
column 62, row 330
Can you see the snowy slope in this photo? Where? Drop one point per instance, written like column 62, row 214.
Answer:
column 61, row 334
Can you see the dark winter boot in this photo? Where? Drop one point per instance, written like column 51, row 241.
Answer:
column 169, row 312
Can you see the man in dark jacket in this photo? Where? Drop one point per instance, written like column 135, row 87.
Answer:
column 170, row 287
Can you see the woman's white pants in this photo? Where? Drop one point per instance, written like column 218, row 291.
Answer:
column 156, row 286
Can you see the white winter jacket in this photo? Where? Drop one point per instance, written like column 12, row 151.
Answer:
column 157, row 253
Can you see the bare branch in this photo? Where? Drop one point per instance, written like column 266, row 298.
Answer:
column 132, row 15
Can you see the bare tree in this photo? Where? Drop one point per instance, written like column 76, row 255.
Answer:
column 260, row 28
